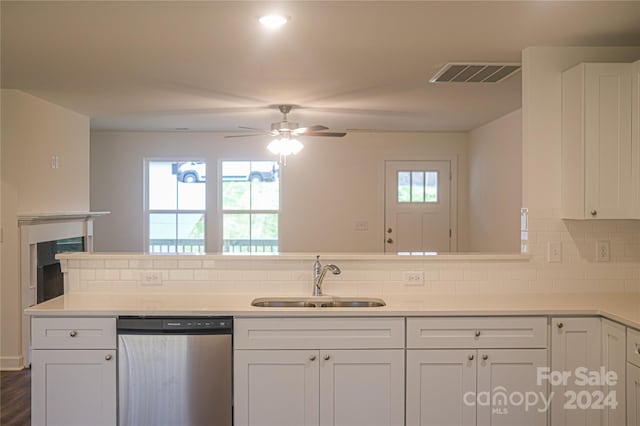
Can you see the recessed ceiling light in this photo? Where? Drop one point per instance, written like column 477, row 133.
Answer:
column 273, row 21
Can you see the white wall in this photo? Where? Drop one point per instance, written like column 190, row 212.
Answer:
column 32, row 131
column 495, row 184
column 325, row 188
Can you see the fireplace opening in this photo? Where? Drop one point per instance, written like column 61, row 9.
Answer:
column 50, row 282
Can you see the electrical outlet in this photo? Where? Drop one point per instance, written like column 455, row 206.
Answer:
column 554, row 251
column 413, row 277
column 149, row 278
column 603, row 251
column 361, row 225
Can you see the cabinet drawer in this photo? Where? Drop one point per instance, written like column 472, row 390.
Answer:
column 633, row 346
column 477, row 332
column 73, row 333
column 318, row 333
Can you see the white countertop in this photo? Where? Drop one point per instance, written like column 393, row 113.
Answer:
column 620, row 307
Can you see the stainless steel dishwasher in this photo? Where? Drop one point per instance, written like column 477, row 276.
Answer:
column 175, row 371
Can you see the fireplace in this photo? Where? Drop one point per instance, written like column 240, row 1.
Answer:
column 50, row 281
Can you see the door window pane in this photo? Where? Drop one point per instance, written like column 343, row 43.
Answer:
column 418, row 187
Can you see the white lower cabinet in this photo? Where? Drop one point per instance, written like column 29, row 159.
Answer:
column 475, row 387
column 588, row 347
column 633, row 395
column 71, row 386
column 292, row 372
column 478, row 379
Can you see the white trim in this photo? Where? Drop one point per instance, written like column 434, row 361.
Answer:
column 11, row 363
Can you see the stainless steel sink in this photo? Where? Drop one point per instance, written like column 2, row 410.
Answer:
column 318, row 302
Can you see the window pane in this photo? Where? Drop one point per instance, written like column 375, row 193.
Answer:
column 265, row 185
column 236, row 233
column 162, row 233
column 236, row 195
column 264, row 232
column 404, row 187
column 162, row 185
column 191, row 186
column 417, row 187
column 190, row 233
column 431, row 187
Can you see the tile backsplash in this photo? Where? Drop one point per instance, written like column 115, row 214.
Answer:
column 376, row 275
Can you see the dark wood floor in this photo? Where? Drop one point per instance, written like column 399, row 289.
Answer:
column 15, row 398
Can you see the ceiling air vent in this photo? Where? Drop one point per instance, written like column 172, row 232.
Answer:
column 474, row 73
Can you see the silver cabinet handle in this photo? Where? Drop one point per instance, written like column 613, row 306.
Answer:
column 477, row 333
column 73, row 333
column 594, row 212
column 312, row 358
column 485, row 357
column 560, row 325
column 108, row 357
column 327, row 357
column 470, row 357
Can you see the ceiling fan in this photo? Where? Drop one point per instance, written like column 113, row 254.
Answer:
column 288, row 129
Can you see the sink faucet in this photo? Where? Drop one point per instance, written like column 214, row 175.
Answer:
column 319, row 272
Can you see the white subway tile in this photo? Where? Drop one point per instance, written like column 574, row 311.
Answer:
column 189, row 264
column 180, row 274
column 116, row 263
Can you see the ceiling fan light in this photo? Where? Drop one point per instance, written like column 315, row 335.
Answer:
column 285, row 146
column 273, row 21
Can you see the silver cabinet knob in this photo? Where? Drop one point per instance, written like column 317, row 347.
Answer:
column 312, row 358
column 560, row 325
column 477, row 333
column 108, row 357
column 485, row 357
column 389, row 240
column 327, row 357
column 389, row 230
column 638, row 350
column 594, row 212
column 73, row 333
column 470, row 357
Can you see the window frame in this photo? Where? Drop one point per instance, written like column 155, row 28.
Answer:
column 221, row 211
column 147, row 211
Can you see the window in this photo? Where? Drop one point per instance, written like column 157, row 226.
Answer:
column 250, row 206
column 176, row 203
column 417, row 186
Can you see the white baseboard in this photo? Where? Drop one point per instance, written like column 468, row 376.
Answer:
column 11, row 363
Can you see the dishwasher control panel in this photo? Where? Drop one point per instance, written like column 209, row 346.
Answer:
column 200, row 325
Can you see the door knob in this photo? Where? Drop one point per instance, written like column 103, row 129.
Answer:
column 389, row 230
column 477, row 333
column 594, row 212
column 389, row 240
column 312, row 358
column 327, row 357
column 108, row 357
column 73, row 333
column 470, row 357
column 485, row 357
column 560, row 325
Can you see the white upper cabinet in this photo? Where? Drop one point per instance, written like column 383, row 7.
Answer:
column 597, row 145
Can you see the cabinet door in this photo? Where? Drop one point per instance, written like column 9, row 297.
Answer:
column 635, row 121
column 633, row 395
column 73, row 387
column 276, row 388
column 505, row 374
column 575, row 342
column 362, row 387
column 608, row 155
column 614, row 360
column 437, row 383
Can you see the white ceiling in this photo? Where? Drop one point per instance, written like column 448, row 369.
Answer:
column 208, row 65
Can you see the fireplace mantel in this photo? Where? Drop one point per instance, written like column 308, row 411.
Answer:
column 35, row 218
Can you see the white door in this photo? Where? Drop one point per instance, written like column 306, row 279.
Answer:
column 362, row 387
column 418, row 206
column 510, row 372
column 575, row 342
column 276, row 388
column 633, row 395
column 73, row 387
column 437, row 382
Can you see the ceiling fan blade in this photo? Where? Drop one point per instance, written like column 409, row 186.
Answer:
column 251, row 128
column 316, row 128
column 329, row 134
column 245, row 136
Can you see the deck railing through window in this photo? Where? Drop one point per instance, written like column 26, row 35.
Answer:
column 197, row 246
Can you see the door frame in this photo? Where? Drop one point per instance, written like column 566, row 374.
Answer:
column 453, row 194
